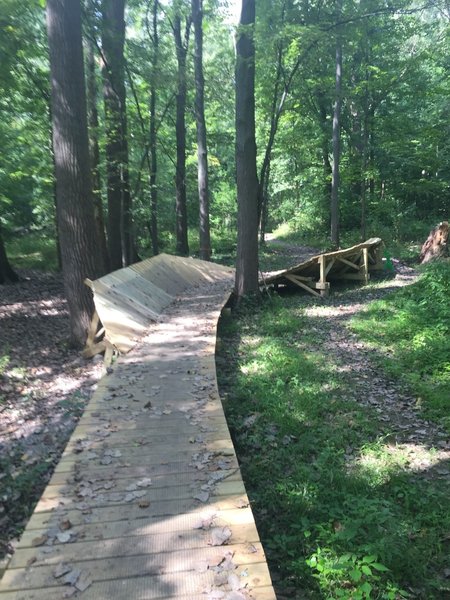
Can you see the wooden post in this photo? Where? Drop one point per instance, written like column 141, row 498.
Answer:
column 366, row 265
column 322, row 284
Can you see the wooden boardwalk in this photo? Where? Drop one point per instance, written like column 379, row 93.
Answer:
column 148, row 501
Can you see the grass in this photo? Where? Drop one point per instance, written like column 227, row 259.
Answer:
column 340, row 513
column 411, row 332
column 32, row 251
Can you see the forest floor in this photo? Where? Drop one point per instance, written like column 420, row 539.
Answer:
column 44, row 385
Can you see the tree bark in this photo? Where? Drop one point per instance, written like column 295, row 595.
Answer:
column 182, row 247
column 93, row 128
column 79, row 249
column 436, row 245
column 120, row 238
column 7, row 273
column 336, row 144
column 246, row 174
column 202, row 150
column 153, row 135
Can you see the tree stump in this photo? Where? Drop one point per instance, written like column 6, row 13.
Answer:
column 436, row 245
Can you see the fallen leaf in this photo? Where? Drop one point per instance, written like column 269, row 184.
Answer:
column 145, row 482
column 220, row 536
column 39, row 541
column 202, row 496
column 61, row 570
column 72, row 577
column 234, row 582
column 83, row 582
column 65, row 524
column 144, row 503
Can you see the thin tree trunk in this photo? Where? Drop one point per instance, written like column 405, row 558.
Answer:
column 182, row 247
column 327, row 166
column 79, row 250
column 7, row 273
column 247, row 178
column 336, row 144
column 153, row 134
column 93, row 128
column 275, row 115
column 202, row 151
column 120, row 238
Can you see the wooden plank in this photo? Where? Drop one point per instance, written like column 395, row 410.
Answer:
column 184, row 563
column 129, row 588
column 145, row 525
column 128, row 544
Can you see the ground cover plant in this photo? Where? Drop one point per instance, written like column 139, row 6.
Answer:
column 348, row 482
column 411, row 332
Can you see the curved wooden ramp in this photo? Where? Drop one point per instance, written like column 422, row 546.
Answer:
column 147, row 501
column 315, row 274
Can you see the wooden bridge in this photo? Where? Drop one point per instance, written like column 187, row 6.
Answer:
column 147, row 501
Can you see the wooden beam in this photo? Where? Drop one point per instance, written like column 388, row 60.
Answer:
column 348, row 263
column 330, row 264
column 302, row 285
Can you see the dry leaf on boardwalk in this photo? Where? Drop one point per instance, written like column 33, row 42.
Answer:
column 220, row 536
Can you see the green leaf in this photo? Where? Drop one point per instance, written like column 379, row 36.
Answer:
column 379, row 567
column 356, row 574
column 369, row 559
column 366, row 587
column 366, row 570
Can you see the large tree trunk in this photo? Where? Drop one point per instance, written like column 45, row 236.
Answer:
column 79, row 250
column 247, row 178
column 153, row 136
column 93, row 128
column 120, row 238
column 336, row 145
column 181, row 45
column 202, row 151
column 7, row 273
column 436, row 245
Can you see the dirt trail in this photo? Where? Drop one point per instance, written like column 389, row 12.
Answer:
column 426, row 445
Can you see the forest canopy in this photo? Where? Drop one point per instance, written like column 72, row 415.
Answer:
column 351, row 121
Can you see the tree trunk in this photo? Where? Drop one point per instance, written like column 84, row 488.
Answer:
column 325, row 146
column 182, row 247
column 120, row 238
column 79, row 250
column 436, row 245
column 202, row 151
column 336, row 145
column 153, row 136
column 246, row 174
column 7, row 273
column 93, row 127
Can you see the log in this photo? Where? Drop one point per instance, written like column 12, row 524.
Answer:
column 436, row 245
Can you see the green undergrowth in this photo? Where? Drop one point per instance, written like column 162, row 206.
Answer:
column 32, row 251
column 339, row 512
column 411, row 332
